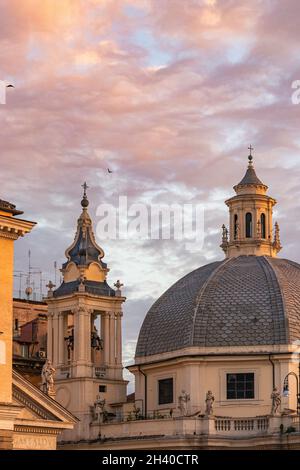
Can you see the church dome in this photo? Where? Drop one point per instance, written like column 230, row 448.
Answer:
column 241, row 301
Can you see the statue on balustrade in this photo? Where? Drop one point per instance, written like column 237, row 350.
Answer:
column 47, row 375
column 99, row 412
column 276, row 401
column 183, row 399
column 209, row 401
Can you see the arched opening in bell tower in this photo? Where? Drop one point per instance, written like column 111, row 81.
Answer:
column 263, row 225
column 235, row 227
column 248, row 225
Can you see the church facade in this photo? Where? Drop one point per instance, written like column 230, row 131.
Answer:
column 217, row 358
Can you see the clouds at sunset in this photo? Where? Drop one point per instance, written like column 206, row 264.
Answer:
column 168, row 93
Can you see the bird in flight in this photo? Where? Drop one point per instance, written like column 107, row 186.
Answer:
column 10, row 86
column 109, row 171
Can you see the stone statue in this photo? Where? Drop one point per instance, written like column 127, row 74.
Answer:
column 136, row 411
column 224, row 234
column 100, row 413
column 209, row 400
column 48, row 378
column 96, row 341
column 70, row 343
column 183, row 400
column 276, row 401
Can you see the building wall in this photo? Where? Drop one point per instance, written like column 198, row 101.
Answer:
column 25, row 311
column 197, row 376
column 77, row 393
column 6, row 294
column 30, row 338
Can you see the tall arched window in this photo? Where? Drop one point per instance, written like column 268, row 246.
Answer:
column 263, row 225
column 248, row 225
column 235, row 227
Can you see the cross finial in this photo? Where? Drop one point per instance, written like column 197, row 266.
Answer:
column 50, row 285
column 250, row 157
column 84, row 202
column 85, row 187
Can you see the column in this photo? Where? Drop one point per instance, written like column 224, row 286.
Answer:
column 105, row 333
column 257, row 219
column 119, row 338
column 269, row 223
column 81, row 334
column 76, row 354
column 112, row 336
column 61, row 341
column 55, row 339
column 230, row 228
column 88, row 332
column 50, row 337
column 241, row 218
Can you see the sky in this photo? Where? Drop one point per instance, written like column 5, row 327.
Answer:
column 168, row 94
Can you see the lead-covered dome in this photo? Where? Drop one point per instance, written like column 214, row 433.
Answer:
column 241, row 301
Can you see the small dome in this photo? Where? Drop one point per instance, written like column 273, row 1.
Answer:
column 242, row 301
column 250, row 178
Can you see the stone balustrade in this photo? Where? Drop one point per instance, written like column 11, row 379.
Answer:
column 210, row 427
column 242, row 425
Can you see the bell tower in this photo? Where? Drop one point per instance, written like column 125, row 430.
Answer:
column 85, row 331
column 250, row 219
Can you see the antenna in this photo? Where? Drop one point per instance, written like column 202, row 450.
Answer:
column 41, row 285
column 55, row 268
column 29, row 268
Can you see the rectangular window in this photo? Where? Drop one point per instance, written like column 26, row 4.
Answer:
column 240, row 386
column 102, row 388
column 24, row 350
column 165, row 391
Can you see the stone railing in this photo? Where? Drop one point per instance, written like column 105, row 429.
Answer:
column 296, row 423
column 212, row 426
column 64, row 372
column 239, row 425
column 100, row 372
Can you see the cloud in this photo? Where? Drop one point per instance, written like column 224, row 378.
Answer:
column 170, row 98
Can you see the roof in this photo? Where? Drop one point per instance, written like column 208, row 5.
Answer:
column 44, row 407
column 84, row 250
column 250, row 178
column 9, row 207
column 39, row 303
column 242, row 301
column 92, row 287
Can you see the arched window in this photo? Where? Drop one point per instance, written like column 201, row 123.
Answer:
column 248, row 225
column 263, row 225
column 235, row 227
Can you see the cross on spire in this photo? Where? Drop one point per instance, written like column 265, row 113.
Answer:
column 250, row 157
column 85, row 187
column 84, row 202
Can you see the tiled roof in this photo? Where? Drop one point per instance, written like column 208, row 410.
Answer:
column 243, row 301
column 250, row 178
column 92, row 287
